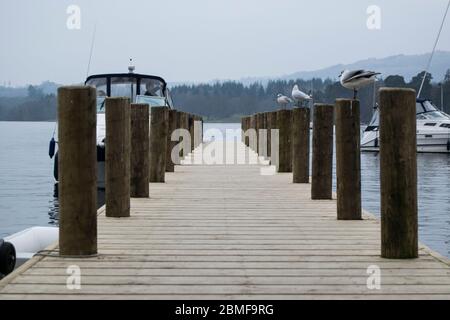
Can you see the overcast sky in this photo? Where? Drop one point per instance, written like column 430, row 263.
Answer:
column 201, row 40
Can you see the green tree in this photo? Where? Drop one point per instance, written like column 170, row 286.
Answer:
column 395, row 81
column 416, row 82
column 34, row 92
column 447, row 76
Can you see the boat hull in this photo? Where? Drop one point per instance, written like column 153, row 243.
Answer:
column 426, row 143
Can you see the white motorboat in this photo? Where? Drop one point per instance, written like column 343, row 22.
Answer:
column 19, row 247
column 139, row 88
column 433, row 130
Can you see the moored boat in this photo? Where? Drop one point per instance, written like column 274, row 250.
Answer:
column 433, row 130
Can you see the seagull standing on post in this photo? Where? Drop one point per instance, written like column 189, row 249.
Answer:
column 357, row 79
column 283, row 101
column 299, row 96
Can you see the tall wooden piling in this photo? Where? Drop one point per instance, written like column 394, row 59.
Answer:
column 284, row 124
column 180, row 122
column 243, row 119
column 201, row 119
column 158, row 143
column 191, row 130
column 77, row 171
column 198, row 131
column 266, row 134
column 348, row 159
column 261, row 133
column 186, row 142
column 247, row 127
column 271, row 123
column 117, row 162
column 140, row 145
column 300, row 145
column 257, row 124
column 172, row 118
column 253, row 142
column 398, row 173
column 322, row 148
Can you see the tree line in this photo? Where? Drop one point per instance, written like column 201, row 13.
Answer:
column 228, row 101
column 36, row 106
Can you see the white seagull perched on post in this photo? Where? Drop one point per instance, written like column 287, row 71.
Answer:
column 357, row 79
column 299, row 95
column 283, row 101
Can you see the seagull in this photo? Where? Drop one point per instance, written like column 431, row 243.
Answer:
column 357, row 79
column 283, row 101
column 300, row 96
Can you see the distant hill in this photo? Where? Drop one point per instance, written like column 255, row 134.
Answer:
column 404, row 65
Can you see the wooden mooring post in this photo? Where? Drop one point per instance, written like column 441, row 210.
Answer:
column 186, row 142
column 398, row 173
column 243, row 120
column 247, row 127
column 191, row 131
column 284, row 125
column 77, row 171
column 172, row 118
column 257, row 123
column 181, row 124
column 322, row 148
column 348, row 159
column 266, row 150
column 253, row 142
column 262, row 135
column 117, row 161
column 300, row 145
column 158, row 143
column 271, row 124
column 198, row 131
column 140, row 145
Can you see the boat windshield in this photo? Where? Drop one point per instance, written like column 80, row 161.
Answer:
column 427, row 111
column 151, row 101
column 128, row 87
column 425, row 106
column 433, row 115
column 137, row 89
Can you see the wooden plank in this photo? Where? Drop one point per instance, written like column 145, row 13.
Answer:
column 224, row 280
column 239, row 265
column 242, row 272
column 226, row 289
column 235, row 258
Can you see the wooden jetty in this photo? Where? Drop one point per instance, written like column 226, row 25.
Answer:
column 228, row 232
column 232, row 231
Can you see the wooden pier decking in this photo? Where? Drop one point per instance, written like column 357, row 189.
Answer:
column 228, row 232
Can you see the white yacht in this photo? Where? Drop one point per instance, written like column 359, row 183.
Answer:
column 139, row 88
column 433, row 130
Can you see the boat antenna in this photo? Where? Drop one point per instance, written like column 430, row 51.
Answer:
column 432, row 52
column 92, row 49
column 131, row 66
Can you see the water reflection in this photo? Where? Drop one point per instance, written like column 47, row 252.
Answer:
column 433, row 179
column 53, row 211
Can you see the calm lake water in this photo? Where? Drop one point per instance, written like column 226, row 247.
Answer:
column 27, row 184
